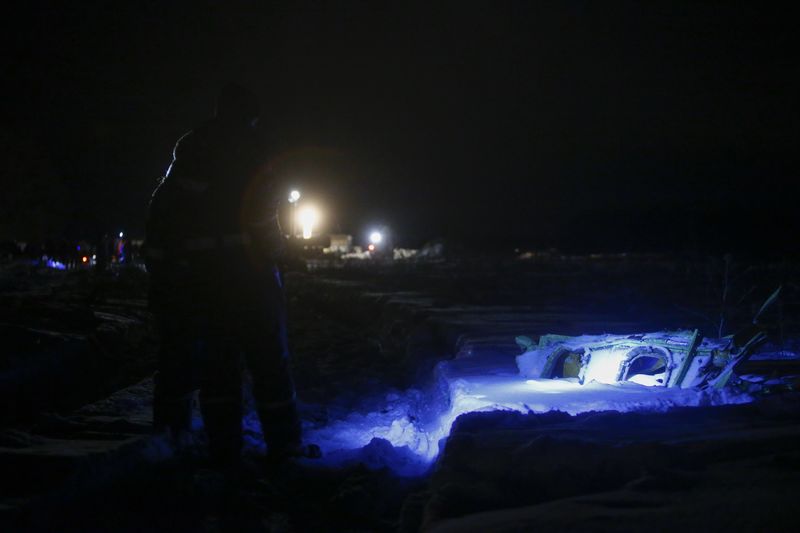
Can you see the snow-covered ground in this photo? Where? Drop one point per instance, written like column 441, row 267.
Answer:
column 364, row 348
column 403, row 431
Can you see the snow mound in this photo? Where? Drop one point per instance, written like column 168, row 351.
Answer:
column 402, row 432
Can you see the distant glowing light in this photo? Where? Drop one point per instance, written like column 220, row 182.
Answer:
column 121, row 234
column 84, row 259
column 308, row 217
column 371, row 247
column 294, row 196
column 58, row 265
column 375, row 237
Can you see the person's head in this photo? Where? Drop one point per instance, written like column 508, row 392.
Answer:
column 237, row 104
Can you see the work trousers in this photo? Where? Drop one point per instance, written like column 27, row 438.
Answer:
column 226, row 332
column 177, row 376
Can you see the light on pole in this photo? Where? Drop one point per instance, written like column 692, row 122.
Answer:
column 294, row 196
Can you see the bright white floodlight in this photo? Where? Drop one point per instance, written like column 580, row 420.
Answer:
column 375, row 237
column 307, row 217
column 294, row 196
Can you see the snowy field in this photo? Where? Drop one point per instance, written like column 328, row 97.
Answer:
column 408, row 380
column 405, row 431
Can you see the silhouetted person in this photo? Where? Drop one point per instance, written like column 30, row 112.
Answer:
column 215, row 289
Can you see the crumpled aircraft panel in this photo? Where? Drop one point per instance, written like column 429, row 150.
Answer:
column 662, row 359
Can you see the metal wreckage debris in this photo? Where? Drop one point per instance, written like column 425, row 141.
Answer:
column 682, row 359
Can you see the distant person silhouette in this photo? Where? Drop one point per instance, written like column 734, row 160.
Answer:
column 212, row 240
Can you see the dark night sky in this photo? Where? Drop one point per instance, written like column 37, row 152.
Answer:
column 597, row 125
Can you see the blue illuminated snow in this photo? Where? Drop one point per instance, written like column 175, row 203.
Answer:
column 57, row 265
column 404, row 431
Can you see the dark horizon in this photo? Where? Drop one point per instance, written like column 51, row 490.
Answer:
column 621, row 126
